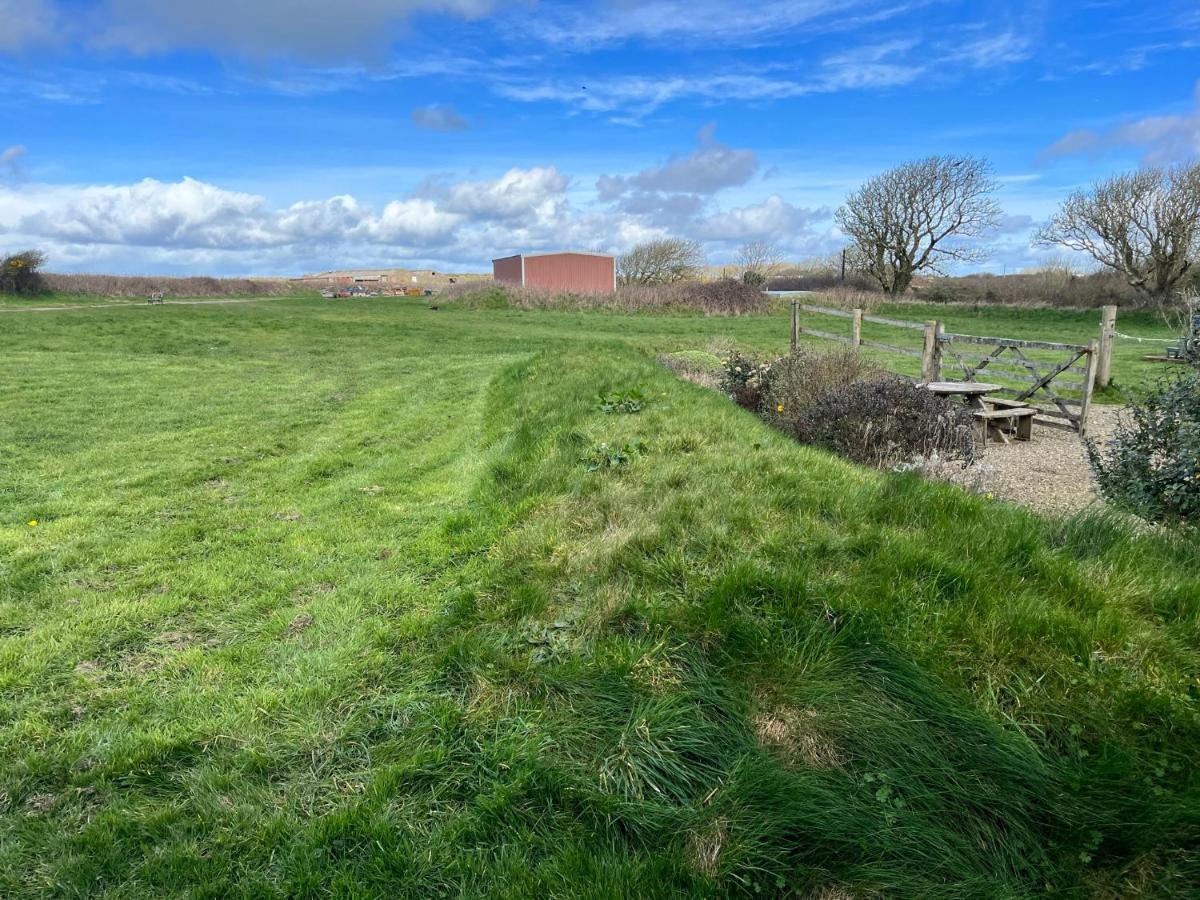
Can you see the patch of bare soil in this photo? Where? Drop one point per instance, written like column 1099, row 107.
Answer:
column 1050, row 473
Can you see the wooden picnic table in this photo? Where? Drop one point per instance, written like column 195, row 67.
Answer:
column 992, row 419
column 972, row 392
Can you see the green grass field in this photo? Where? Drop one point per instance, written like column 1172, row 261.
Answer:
column 307, row 599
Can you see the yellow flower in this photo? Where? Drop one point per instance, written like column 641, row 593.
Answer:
column 33, row 523
column 779, row 408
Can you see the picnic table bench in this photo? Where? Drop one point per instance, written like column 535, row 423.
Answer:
column 996, row 416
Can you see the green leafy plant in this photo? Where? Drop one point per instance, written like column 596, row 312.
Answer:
column 628, row 402
column 611, row 456
column 19, row 273
column 1151, row 467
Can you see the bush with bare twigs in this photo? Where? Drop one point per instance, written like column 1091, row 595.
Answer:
column 713, row 298
column 145, row 285
column 1038, row 288
column 664, row 261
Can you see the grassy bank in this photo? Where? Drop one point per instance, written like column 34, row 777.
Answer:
column 322, row 599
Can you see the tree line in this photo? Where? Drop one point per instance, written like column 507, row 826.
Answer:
column 929, row 213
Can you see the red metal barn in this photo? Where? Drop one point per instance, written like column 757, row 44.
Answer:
column 571, row 272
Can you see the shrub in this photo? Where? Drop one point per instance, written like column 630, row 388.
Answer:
column 884, row 422
column 195, row 286
column 822, row 281
column 662, row 261
column 745, row 380
column 1151, row 467
column 19, row 273
column 713, row 298
column 800, row 378
column 699, row 366
column 1049, row 287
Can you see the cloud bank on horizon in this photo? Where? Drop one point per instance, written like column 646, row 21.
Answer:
column 294, row 135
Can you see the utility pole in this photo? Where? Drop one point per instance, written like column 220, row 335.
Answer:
column 843, row 278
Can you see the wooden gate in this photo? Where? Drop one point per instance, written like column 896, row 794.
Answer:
column 1058, row 381
column 1055, row 379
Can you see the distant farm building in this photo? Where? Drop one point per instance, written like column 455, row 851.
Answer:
column 571, row 272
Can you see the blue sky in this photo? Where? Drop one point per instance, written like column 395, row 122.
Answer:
column 285, row 136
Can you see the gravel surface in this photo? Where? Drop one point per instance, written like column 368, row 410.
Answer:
column 1049, row 473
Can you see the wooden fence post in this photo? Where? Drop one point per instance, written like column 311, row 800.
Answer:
column 857, row 325
column 1089, row 383
column 795, row 325
column 1108, row 334
column 937, row 350
column 931, row 353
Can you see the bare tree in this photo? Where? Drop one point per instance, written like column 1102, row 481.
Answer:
column 660, row 262
column 758, row 261
column 913, row 218
column 1144, row 224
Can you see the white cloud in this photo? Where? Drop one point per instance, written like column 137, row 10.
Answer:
column 709, row 168
column 26, row 24
column 438, row 117
column 414, row 223
column 260, row 30
column 188, row 213
column 306, row 29
column 193, row 226
column 875, row 66
column 774, row 219
column 187, row 220
column 1163, row 140
column 518, row 193
column 587, row 25
column 985, row 53
column 10, row 160
column 193, row 215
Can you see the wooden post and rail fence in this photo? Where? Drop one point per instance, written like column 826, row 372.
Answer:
column 1060, row 388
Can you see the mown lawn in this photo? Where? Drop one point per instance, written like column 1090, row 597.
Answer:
column 322, row 600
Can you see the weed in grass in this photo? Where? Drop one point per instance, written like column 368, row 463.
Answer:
column 604, row 456
column 627, row 402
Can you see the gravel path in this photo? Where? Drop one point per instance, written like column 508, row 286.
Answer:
column 1049, row 474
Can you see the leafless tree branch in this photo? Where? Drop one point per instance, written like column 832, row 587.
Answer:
column 913, row 218
column 1143, row 224
column 660, row 262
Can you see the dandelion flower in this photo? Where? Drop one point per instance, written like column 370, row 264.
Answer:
column 33, row 523
column 779, row 408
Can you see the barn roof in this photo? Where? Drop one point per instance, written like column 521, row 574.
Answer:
column 557, row 253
